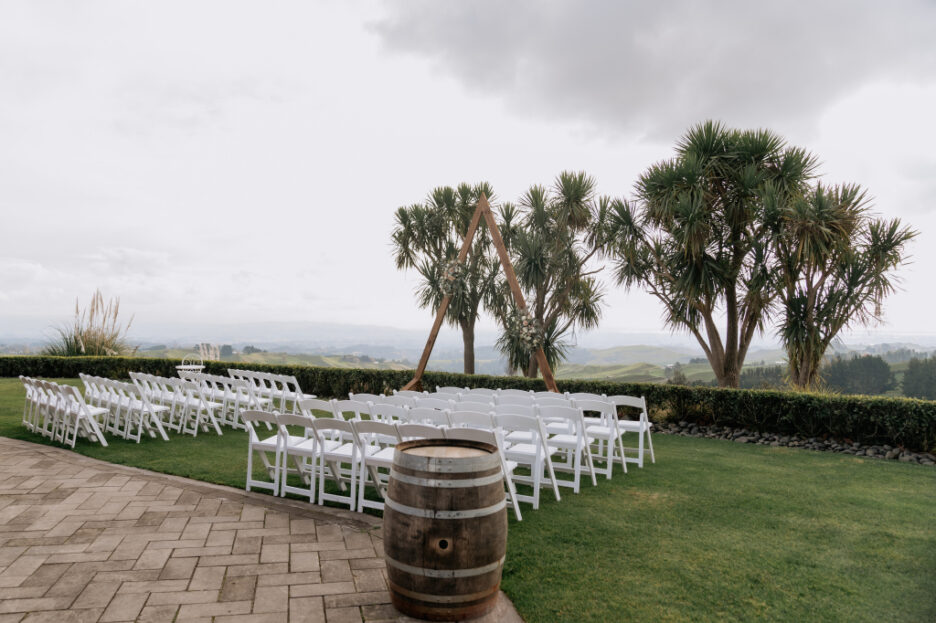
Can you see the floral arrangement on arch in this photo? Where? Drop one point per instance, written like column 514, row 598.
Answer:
column 453, row 277
column 525, row 329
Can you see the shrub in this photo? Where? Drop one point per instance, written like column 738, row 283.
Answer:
column 869, row 419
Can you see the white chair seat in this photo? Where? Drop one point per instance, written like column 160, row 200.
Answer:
column 600, row 432
column 634, row 426
column 519, row 436
column 521, row 449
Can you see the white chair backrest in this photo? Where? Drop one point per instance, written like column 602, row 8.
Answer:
column 398, row 400
column 409, row 393
column 514, row 392
column 539, row 395
column 478, row 391
column 553, row 402
column 428, row 415
column 450, row 390
column 419, row 431
column 444, row 396
column 291, row 419
column 250, row 417
column 587, row 396
column 564, row 414
column 374, row 398
column 350, row 409
column 389, row 413
column 471, row 419
column 316, row 407
column 515, row 399
column 630, row 401
column 435, row 403
column 473, row 434
column 604, row 409
column 528, row 411
column 474, row 405
column 375, row 433
column 522, row 423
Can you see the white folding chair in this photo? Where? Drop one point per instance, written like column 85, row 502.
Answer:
column 265, row 447
column 377, row 441
column 199, row 410
column 641, row 426
column 451, row 390
column 493, row 438
column 574, row 445
column 533, row 454
column 339, row 463
column 74, row 417
column 302, row 448
column 605, row 431
column 134, row 413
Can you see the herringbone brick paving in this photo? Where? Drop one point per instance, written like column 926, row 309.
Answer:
column 83, row 540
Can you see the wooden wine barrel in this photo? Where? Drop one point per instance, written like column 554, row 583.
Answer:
column 445, row 529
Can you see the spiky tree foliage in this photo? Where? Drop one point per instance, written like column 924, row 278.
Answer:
column 835, row 266
column 429, row 235
column 96, row 331
column 551, row 236
column 696, row 239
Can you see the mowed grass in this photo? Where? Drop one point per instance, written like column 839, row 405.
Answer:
column 714, row 531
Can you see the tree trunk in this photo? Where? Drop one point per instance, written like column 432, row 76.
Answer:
column 533, row 368
column 468, row 341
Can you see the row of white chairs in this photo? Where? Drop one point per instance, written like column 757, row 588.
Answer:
column 189, row 407
column 281, row 390
column 526, row 436
column 60, row 413
column 128, row 411
column 485, row 400
column 354, row 453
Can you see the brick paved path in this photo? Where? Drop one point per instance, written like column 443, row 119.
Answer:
column 83, row 540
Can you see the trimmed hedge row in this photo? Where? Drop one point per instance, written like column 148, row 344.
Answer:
column 868, row 419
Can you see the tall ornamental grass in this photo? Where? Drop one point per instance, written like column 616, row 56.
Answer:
column 96, row 332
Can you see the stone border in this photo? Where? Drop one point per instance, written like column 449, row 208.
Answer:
column 741, row 435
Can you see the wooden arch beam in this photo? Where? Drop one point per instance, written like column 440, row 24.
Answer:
column 482, row 211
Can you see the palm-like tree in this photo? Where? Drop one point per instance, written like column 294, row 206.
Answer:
column 835, row 265
column 551, row 236
column 696, row 238
column 429, row 235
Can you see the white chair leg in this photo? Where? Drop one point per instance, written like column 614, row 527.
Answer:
column 650, row 442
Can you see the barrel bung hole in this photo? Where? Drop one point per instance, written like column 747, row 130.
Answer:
column 443, row 544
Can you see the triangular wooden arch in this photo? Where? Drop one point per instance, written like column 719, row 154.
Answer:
column 483, row 210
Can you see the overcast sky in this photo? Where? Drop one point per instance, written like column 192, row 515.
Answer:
column 241, row 161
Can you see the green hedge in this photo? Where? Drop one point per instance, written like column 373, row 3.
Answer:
column 868, row 419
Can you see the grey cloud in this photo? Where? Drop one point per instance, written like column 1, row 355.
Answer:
column 655, row 68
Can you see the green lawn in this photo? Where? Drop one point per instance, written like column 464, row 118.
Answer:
column 714, row 531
